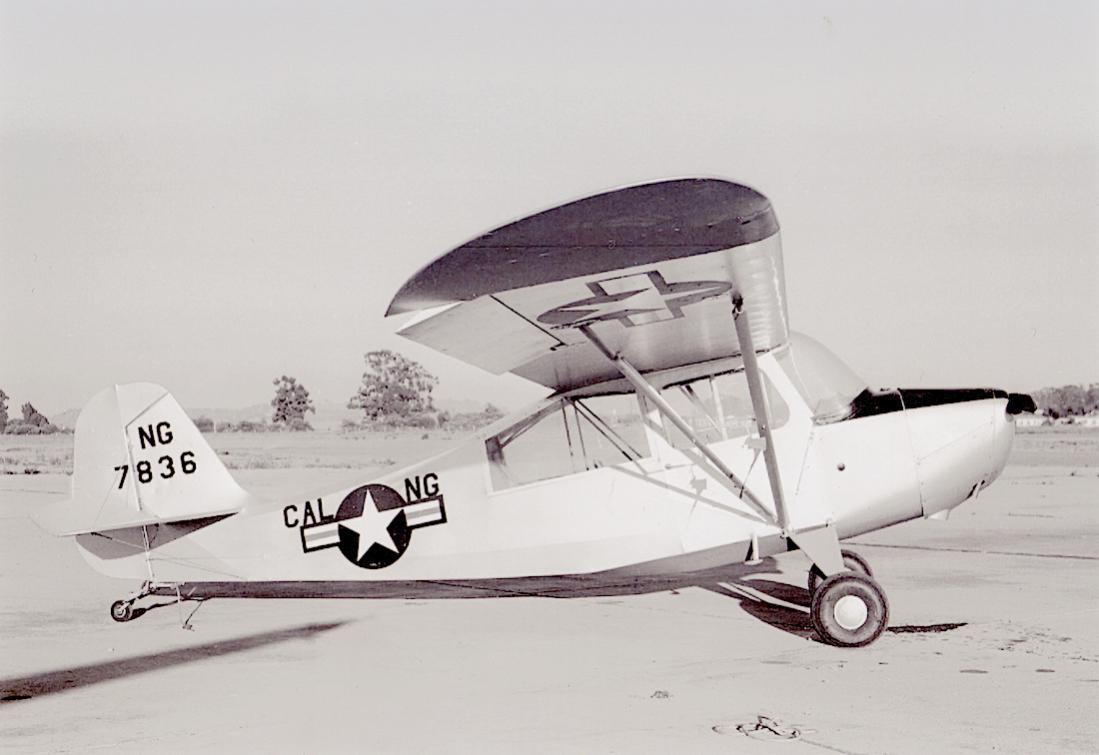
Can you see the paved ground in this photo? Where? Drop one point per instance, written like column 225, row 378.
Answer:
column 993, row 647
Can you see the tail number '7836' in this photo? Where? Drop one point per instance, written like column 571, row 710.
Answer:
column 165, row 468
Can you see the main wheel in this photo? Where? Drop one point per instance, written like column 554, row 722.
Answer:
column 122, row 610
column 851, row 560
column 849, row 609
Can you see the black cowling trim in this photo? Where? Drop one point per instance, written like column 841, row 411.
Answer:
column 1020, row 403
column 917, row 398
column 870, row 403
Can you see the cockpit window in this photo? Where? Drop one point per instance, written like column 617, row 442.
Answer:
column 823, row 380
column 566, row 437
column 719, row 408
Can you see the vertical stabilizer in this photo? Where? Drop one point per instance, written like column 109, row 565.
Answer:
column 139, row 459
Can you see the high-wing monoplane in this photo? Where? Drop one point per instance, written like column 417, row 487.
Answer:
column 687, row 428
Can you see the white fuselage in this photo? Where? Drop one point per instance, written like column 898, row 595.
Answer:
column 661, row 512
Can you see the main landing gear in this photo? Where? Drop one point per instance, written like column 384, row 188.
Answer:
column 848, row 609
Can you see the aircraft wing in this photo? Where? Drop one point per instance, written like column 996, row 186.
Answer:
column 650, row 269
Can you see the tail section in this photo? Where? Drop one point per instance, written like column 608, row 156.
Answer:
column 138, row 459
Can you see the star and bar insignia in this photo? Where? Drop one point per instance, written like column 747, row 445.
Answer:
column 373, row 525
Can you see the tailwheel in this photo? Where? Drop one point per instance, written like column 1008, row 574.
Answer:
column 122, row 610
column 849, row 609
column 851, row 561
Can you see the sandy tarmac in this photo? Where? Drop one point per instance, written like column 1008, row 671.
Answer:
column 993, row 647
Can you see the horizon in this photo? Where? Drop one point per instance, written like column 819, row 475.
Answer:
column 329, row 404
column 209, row 196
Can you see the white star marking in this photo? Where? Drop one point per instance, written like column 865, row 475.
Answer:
column 372, row 527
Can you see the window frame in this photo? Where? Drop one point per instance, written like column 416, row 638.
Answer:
column 686, row 387
column 581, row 459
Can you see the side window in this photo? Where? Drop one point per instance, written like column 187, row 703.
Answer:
column 571, row 435
column 736, row 404
column 537, row 448
column 694, row 402
column 609, row 429
column 718, row 408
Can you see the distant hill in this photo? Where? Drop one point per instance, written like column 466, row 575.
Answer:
column 66, row 419
column 459, row 405
column 330, row 414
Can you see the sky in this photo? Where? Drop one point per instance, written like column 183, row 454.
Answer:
column 208, row 195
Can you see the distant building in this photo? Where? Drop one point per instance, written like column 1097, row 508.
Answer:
column 1031, row 420
column 1088, row 420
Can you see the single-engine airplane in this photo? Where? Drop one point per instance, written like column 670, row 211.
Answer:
column 688, row 428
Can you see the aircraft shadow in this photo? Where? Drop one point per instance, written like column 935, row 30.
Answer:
column 600, row 584
column 47, row 683
column 786, row 607
column 779, row 604
column 776, row 603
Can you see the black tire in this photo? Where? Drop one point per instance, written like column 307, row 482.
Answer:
column 851, row 560
column 122, row 610
column 854, row 623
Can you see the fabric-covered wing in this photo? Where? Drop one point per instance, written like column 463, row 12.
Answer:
column 651, row 269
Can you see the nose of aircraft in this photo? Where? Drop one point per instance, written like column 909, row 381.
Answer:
column 960, row 446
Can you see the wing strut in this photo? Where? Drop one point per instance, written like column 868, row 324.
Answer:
column 821, row 543
column 723, row 474
column 760, row 408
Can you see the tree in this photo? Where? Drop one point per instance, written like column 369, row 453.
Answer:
column 394, row 387
column 3, row 410
column 291, row 402
column 1068, row 400
column 33, row 417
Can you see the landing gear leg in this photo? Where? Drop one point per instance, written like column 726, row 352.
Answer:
column 851, row 561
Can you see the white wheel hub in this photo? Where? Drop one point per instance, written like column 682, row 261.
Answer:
column 850, row 612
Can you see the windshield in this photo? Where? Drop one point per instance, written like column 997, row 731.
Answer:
column 823, row 380
column 719, row 407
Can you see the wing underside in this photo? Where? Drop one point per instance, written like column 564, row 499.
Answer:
column 496, row 302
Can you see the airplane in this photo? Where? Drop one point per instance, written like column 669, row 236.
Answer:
column 687, row 428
